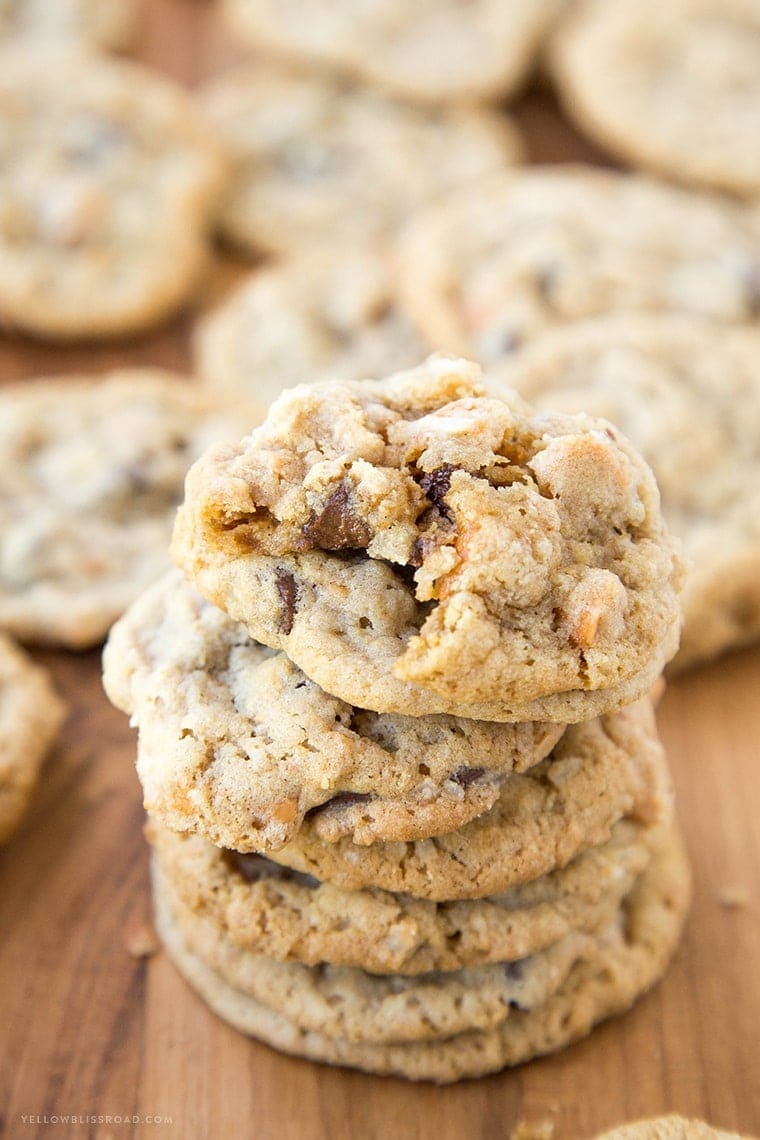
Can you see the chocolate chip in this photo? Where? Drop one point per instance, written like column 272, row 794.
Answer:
column 514, row 971
column 254, row 868
column 288, row 591
column 336, row 526
column 436, row 484
column 546, row 280
column 343, row 799
column 466, row 776
column 752, row 289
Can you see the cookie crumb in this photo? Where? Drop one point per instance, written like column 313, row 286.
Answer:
column 140, row 940
column 733, row 897
column 533, row 1130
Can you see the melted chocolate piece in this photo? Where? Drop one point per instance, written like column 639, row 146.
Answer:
column 435, row 485
column 466, row 776
column 343, row 799
column 288, row 591
column 336, row 527
column 752, row 286
column 254, row 868
column 515, row 970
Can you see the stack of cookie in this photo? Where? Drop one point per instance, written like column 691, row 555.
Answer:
column 409, row 810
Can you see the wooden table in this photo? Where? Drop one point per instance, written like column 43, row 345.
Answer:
column 88, row 1028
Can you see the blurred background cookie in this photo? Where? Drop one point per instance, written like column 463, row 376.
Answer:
column 489, row 266
column 91, row 472
column 314, row 160
column 429, row 50
column 672, row 87
column 310, row 317
column 107, row 182
column 30, row 715
column 689, row 397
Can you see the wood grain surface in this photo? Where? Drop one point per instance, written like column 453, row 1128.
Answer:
column 90, row 1029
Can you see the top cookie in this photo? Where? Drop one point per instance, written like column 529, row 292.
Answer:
column 90, row 476
column 417, row 547
column 107, row 180
column 688, row 395
column 430, row 50
column 309, row 317
column 495, row 263
column 108, row 24
column 673, row 87
column 313, row 160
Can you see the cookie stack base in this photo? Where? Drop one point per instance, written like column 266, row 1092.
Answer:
column 591, row 993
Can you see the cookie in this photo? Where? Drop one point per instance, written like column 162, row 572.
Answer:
column 417, row 547
column 668, row 1128
column 490, row 266
column 107, row 183
column 315, row 161
column 30, row 715
column 90, row 476
column 345, row 1002
column 429, row 51
column 238, row 744
column 592, row 992
column 108, row 24
column 675, row 89
column 270, row 909
column 314, row 316
column 599, row 772
column 688, row 396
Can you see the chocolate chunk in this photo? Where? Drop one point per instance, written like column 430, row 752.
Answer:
column 288, row 591
column 466, row 776
column 752, row 289
column 336, row 526
column 514, row 971
column 435, row 485
column 343, row 799
column 254, row 868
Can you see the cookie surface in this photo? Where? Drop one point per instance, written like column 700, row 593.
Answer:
column 676, row 90
column 315, row 161
column 311, row 317
column 108, row 24
column 30, row 715
column 417, row 547
column 599, row 772
column 497, row 262
column 427, row 50
column 265, row 907
column 107, row 181
column 236, row 743
column 591, row 992
column 90, row 477
column 688, row 396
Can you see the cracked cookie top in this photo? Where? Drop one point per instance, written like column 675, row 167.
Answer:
column 416, row 546
column 237, row 744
